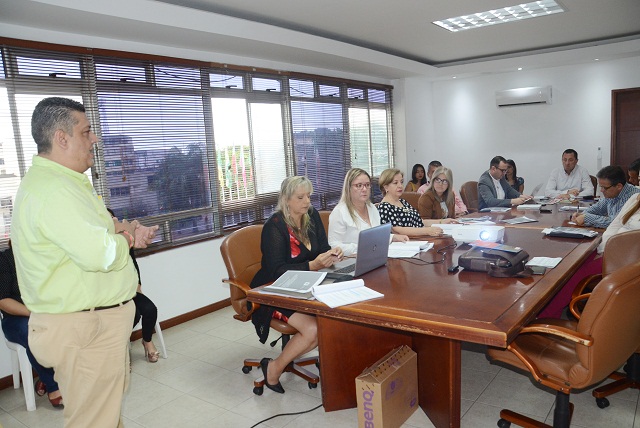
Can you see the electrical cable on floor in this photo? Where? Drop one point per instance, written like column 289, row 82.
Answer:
column 286, row 414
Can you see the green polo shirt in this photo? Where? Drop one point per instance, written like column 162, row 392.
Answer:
column 68, row 257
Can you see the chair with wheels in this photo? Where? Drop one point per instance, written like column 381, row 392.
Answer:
column 324, row 216
column 242, row 256
column 20, row 365
column 620, row 250
column 566, row 355
column 412, row 198
column 469, row 195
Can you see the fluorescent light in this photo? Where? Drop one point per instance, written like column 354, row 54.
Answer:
column 499, row 16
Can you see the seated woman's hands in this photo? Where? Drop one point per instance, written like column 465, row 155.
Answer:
column 449, row 221
column 399, row 238
column 326, row 259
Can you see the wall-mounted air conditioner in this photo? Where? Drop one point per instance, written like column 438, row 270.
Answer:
column 523, row 96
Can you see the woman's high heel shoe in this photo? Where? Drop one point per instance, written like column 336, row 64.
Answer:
column 151, row 357
column 264, row 364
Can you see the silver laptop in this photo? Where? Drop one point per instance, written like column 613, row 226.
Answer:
column 373, row 249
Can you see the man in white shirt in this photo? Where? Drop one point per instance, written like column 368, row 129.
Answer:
column 569, row 181
column 493, row 189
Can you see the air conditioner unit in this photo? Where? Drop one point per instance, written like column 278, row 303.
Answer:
column 523, row 96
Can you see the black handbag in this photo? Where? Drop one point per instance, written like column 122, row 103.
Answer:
column 496, row 263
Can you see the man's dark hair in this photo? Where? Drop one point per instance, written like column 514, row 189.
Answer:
column 435, row 163
column 614, row 174
column 571, row 152
column 635, row 165
column 50, row 115
column 496, row 161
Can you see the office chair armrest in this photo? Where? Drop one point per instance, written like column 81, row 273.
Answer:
column 573, row 305
column 562, row 332
column 588, row 281
column 550, row 382
column 243, row 311
column 241, row 285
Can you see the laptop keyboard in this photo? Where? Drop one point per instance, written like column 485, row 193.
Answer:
column 346, row 269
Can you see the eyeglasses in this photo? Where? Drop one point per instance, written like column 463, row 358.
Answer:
column 359, row 186
column 504, row 171
column 441, row 181
column 606, row 188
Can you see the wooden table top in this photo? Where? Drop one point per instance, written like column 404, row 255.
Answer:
column 468, row 306
column 543, row 219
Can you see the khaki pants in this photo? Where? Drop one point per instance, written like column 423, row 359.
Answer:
column 90, row 356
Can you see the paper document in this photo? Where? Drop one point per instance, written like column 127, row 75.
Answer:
column 496, row 209
column 296, row 283
column 476, row 220
column 570, row 232
column 399, row 250
column 548, row 262
column 519, row 220
column 572, row 209
column 344, row 293
column 529, row 206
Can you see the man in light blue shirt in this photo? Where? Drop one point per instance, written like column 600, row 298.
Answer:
column 615, row 191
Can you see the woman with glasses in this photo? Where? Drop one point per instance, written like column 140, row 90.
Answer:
column 395, row 210
column 354, row 213
column 438, row 202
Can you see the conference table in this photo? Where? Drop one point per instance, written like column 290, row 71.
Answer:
column 434, row 312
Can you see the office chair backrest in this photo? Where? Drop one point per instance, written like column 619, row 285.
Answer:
column 324, row 216
column 242, row 256
column 412, row 198
column 611, row 317
column 594, row 181
column 621, row 250
column 469, row 195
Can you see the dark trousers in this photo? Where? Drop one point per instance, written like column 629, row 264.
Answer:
column 149, row 313
column 16, row 330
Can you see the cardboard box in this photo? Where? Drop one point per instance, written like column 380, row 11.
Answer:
column 388, row 391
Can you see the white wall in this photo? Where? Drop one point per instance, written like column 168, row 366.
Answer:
column 457, row 122
column 178, row 281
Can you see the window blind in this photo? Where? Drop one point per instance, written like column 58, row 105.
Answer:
column 192, row 148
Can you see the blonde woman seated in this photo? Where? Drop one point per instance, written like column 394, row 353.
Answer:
column 293, row 238
column 438, row 202
column 354, row 213
column 395, row 210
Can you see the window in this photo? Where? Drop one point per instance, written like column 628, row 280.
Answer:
column 192, row 148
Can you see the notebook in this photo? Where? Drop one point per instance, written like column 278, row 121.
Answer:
column 373, row 248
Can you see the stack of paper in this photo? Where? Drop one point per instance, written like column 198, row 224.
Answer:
column 408, row 249
column 344, row 293
column 519, row 220
column 548, row 262
column 529, row 206
column 295, row 283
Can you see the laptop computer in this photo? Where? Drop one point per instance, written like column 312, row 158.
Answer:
column 372, row 252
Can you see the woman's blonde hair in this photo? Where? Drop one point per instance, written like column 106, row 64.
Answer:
column 352, row 174
column 448, row 196
column 386, row 177
column 287, row 189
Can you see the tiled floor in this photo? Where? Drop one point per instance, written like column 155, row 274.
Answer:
column 201, row 385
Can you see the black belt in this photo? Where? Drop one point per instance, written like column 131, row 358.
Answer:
column 102, row 308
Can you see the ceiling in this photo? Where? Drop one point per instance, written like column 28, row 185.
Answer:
column 379, row 38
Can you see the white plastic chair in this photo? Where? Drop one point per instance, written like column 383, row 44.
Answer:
column 20, row 365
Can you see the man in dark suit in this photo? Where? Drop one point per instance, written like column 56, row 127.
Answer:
column 493, row 189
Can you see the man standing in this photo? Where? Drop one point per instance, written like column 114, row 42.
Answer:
column 634, row 168
column 74, row 270
column 616, row 192
column 571, row 180
column 493, row 189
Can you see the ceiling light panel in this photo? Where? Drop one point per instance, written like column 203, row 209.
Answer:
column 500, row 16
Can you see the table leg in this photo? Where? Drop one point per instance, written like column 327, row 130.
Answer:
column 345, row 350
column 439, row 378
